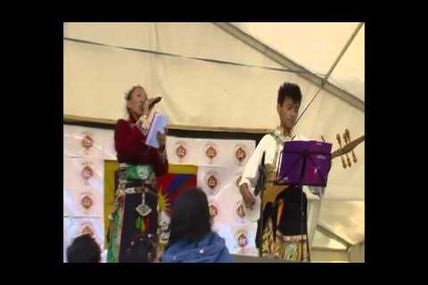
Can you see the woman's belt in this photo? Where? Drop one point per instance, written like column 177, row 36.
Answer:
column 137, row 189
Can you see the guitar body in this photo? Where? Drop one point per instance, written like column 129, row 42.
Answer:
column 271, row 192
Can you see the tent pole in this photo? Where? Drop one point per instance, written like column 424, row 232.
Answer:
column 286, row 62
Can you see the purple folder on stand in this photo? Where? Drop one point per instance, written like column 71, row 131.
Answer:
column 304, row 163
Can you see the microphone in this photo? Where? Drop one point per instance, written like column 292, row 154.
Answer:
column 155, row 101
column 152, row 103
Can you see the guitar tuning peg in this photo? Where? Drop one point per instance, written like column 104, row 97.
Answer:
column 346, row 140
column 340, row 146
column 348, row 136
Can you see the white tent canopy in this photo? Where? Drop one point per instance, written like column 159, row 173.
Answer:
column 226, row 76
column 316, row 46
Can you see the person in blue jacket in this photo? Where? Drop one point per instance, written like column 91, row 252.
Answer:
column 191, row 239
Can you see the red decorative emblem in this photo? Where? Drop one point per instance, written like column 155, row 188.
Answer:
column 87, row 173
column 242, row 240
column 212, row 181
column 240, row 154
column 87, row 142
column 86, row 201
column 211, row 152
column 213, row 210
column 181, row 150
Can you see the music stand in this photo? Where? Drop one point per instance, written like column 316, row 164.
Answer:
column 304, row 163
column 300, row 163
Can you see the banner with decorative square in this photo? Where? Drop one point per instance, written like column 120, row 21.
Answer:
column 239, row 238
column 81, row 174
column 76, row 226
column 83, row 202
column 89, row 142
column 215, row 152
column 83, row 142
column 230, row 199
column 181, row 150
column 83, row 187
column 214, row 179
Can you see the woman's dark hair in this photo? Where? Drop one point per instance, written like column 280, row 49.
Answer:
column 142, row 249
column 190, row 217
column 129, row 92
column 289, row 90
column 84, row 249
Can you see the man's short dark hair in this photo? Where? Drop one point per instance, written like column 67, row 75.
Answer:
column 84, row 249
column 290, row 90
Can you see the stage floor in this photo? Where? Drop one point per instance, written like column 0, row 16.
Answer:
column 254, row 259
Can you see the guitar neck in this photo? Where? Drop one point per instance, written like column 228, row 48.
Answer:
column 348, row 147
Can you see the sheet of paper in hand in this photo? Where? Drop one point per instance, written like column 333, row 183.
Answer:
column 159, row 123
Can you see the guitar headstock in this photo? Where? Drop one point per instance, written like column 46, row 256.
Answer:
column 347, row 147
